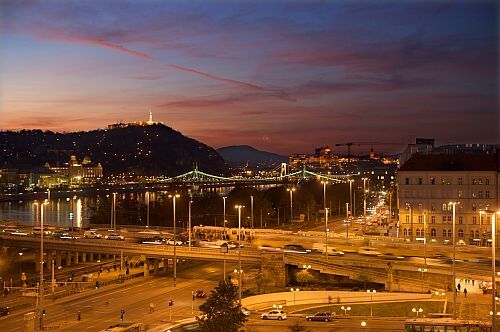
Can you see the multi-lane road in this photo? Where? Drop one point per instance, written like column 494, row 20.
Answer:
column 101, row 308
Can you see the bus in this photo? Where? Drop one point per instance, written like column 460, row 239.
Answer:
column 446, row 324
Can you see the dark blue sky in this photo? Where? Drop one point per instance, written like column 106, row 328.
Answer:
column 285, row 76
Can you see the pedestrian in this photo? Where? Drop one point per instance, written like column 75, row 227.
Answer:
column 151, row 307
column 78, row 316
column 465, row 292
column 127, row 272
column 458, row 287
column 114, row 267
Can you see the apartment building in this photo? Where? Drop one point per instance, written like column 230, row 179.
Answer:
column 428, row 183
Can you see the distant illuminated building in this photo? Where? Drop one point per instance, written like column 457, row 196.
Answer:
column 78, row 174
column 150, row 122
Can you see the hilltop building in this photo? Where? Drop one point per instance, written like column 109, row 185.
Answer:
column 150, row 122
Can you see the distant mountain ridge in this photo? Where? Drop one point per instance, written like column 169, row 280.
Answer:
column 144, row 150
column 239, row 155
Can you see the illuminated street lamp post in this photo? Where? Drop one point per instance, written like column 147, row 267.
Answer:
column 363, row 325
column 408, row 207
column 147, row 208
column 422, row 271
column 251, row 208
column 175, row 238
column 454, row 204
column 40, row 293
column 189, row 222
column 425, row 238
column 417, row 311
column 113, row 213
column 364, row 203
column 324, row 193
column 239, row 207
column 373, row 291
column 224, row 213
column 346, row 309
column 326, row 233
column 291, row 190
column 294, row 290
column 350, row 195
column 493, row 267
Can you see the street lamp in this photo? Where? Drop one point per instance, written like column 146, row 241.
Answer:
column 113, row 213
column 294, row 290
column 422, row 271
column 326, row 233
column 417, row 311
column 291, row 190
column 363, row 325
column 408, row 207
column 224, row 212
column 345, row 310
column 425, row 238
column 175, row 238
column 373, row 291
column 189, row 221
column 251, row 208
column 493, row 267
column 147, row 208
column 350, row 195
column 239, row 207
column 454, row 205
column 324, row 193
column 41, row 263
column 364, row 203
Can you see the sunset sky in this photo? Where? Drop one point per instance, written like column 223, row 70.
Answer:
column 283, row 76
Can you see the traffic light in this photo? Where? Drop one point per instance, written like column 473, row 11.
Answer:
column 43, row 313
column 97, row 285
column 71, row 216
column 171, row 303
column 122, row 315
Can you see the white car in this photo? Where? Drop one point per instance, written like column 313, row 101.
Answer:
column 369, row 251
column 245, row 311
column 114, row 237
column 274, row 314
column 171, row 242
column 92, row 235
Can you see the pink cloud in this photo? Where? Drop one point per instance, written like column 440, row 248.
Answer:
column 239, row 84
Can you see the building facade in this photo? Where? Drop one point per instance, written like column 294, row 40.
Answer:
column 77, row 174
column 428, row 183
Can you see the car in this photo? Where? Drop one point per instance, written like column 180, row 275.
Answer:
column 274, row 314
column 4, row 311
column 171, row 242
column 266, row 247
column 320, row 316
column 114, row 236
column 92, row 235
column 369, row 251
column 321, row 247
column 461, row 243
column 391, row 256
column 245, row 311
column 153, row 240
column 200, row 293
column 296, row 249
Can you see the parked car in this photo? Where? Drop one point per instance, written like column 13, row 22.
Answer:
column 114, row 236
column 369, row 251
column 274, row 314
column 200, row 293
column 245, row 311
column 92, row 235
column 296, row 249
column 320, row 316
column 4, row 311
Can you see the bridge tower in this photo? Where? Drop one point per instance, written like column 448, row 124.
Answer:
column 283, row 170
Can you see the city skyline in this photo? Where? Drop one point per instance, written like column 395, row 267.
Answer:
column 280, row 76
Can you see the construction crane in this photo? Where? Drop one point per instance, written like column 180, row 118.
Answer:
column 349, row 144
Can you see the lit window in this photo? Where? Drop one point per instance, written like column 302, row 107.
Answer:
column 460, row 233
